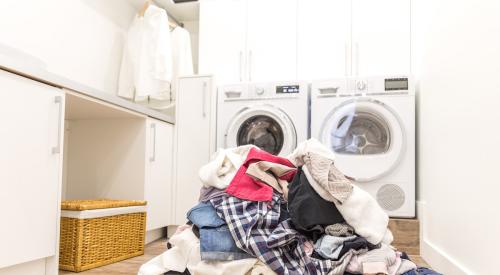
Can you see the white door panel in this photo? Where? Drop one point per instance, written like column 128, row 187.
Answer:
column 272, row 40
column 381, row 37
column 324, row 38
column 223, row 40
column 32, row 123
column 158, row 188
column 194, row 137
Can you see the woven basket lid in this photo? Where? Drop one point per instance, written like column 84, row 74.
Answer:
column 79, row 205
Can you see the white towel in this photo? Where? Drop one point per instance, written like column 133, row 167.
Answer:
column 362, row 212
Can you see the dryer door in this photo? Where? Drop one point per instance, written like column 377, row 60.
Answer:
column 367, row 137
column 265, row 126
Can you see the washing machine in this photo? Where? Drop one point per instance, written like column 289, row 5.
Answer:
column 272, row 116
column 369, row 123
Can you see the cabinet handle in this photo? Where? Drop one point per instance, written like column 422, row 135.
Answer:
column 241, row 65
column 204, row 98
column 153, row 130
column 356, row 55
column 57, row 148
column 250, row 59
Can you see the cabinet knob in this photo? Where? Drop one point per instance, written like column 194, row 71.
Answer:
column 259, row 91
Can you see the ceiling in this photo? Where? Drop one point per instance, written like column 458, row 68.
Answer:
column 183, row 11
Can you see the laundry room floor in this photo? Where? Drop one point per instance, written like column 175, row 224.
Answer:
column 406, row 238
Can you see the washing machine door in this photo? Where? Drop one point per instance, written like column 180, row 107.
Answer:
column 367, row 136
column 265, row 126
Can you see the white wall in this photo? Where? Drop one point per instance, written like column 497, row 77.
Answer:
column 79, row 39
column 457, row 60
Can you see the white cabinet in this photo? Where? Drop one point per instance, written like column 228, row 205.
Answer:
column 32, row 119
column 324, row 36
column 158, row 183
column 268, row 40
column 272, row 40
column 248, row 40
column 194, row 139
column 381, row 37
column 222, row 49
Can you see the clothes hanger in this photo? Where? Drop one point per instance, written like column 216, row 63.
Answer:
column 147, row 3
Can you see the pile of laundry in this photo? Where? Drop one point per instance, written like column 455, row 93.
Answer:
column 264, row 214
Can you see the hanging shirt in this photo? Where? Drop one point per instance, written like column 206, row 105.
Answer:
column 146, row 68
column 182, row 58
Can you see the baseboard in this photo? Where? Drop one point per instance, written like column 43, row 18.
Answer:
column 155, row 234
column 436, row 257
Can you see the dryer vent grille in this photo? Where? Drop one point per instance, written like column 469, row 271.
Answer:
column 390, row 197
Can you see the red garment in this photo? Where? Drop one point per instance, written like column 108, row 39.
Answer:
column 245, row 187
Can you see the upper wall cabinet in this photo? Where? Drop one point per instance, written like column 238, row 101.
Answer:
column 272, row 40
column 248, row 40
column 222, row 41
column 353, row 37
column 381, row 37
column 324, row 37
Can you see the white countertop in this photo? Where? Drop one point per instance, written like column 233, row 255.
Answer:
column 34, row 69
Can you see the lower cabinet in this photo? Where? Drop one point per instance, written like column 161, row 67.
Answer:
column 159, row 181
column 61, row 145
column 194, row 139
column 32, row 119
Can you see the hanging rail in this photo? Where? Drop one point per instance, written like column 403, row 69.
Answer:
column 179, row 23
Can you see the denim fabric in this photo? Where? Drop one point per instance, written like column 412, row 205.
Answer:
column 216, row 241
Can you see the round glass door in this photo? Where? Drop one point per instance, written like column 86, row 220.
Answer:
column 366, row 136
column 264, row 126
column 262, row 131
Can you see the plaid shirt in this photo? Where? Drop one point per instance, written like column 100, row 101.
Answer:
column 256, row 229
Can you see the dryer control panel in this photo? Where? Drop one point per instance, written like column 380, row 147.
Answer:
column 380, row 85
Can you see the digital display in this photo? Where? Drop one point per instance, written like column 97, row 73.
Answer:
column 287, row 89
column 395, row 84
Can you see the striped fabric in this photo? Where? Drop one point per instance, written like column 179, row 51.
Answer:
column 256, row 229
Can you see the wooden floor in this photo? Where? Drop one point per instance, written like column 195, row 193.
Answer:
column 131, row 266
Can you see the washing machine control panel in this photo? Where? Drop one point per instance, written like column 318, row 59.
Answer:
column 287, row 89
column 274, row 90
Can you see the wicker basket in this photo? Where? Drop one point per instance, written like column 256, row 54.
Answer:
column 100, row 232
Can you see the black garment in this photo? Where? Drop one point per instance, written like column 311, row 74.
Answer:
column 186, row 272
column 356, row 244
column 307, row 208
column 196, row 231
column 405, row 256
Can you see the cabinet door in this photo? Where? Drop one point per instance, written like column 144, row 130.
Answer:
column 32, row 117
column 381, row 37
column 324, row 36
column 272, row 40
column 222, row 41
column 195, row 131
column 158, row 189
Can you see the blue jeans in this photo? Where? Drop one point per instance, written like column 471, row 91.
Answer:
column 216, row 241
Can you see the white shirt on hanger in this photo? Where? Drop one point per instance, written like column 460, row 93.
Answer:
column 146, row 68
column 182, row 58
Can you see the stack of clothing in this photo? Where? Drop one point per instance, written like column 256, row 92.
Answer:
column 261, row 214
